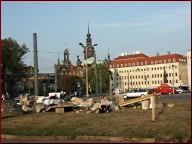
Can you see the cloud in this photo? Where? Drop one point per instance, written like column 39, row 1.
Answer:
column 122, row 24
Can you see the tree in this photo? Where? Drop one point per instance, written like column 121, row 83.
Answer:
column 13, row 65
column 105, row 73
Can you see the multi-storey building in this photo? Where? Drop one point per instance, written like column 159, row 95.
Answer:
column 141, row 71
column 189, row 67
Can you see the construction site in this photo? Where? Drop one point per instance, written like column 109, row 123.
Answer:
column 150, row 118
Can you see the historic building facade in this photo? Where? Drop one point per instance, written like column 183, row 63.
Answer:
column 141, row 71
column 189, row 67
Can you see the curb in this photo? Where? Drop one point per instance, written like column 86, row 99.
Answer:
column 104, row 138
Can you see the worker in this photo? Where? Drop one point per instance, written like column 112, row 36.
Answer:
column 105, row 104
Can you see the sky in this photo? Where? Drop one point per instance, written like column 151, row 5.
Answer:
column 117, row 27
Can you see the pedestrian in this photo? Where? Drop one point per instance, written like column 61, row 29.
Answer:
column 105, row 104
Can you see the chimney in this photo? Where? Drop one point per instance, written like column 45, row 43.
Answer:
column 157, row 54
column 168, row 52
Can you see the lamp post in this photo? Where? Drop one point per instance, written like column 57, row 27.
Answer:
column 128, row 83
column 173, row 66
column 87, row 94
column 96, row 76
column 100, row 78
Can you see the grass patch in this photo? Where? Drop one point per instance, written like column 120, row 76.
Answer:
column 128, row 122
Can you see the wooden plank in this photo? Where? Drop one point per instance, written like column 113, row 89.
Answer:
column 153, row 107
column 135, row 100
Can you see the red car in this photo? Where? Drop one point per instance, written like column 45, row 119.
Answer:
column 166, row 89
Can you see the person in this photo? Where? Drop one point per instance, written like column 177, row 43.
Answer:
column 105, row 104
column 62, row 95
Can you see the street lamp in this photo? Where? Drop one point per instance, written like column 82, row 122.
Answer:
column 87, row 94
column 128, row 83
column 173, row 66
column 96, row 76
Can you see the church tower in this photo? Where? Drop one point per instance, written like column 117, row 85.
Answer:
column 89, row 47
column 66, row 58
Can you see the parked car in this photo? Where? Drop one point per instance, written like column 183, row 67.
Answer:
column 183, row 89
column 136, row 93
column 166, row 89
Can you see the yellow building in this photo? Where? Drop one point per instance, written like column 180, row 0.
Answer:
column 141, row 71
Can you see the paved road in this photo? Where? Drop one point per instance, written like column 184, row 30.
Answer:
column 184, row 97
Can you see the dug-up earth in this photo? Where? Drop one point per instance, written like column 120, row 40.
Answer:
column 80, row 124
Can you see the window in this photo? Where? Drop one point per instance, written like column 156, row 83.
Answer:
column 174, row 60
column 139, row 76
column 137, row 63
column 155, row 75
column 121, row 65
column 142, row 82
column 125, row 64
column 165, row 60
column 161, row 75
column 125, row 83
column 145, row 62
column 169, row 81
column 151, row 68
column 129, row 64
column 155, row 82
column 117, row 65
column 125, row 77
column 169, row 60
column 176, row 81
column 158, row 75
column 157, row 68
column 152, row 75
column 152, row 82
column 148, row 82
column 148, row 76
column 136, row 77
column 169, row 74
column 175, row 74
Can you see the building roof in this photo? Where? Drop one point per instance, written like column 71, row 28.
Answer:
column 141, row 59
column 91, row 60
column 140, row 55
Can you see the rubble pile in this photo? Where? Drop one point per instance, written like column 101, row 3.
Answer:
column 46, row 103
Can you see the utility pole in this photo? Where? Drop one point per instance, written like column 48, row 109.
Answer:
column 100, row 78
column 96, row 77
column 55, row 78
column 110, row 86
column 35, row 63
column 173, row 79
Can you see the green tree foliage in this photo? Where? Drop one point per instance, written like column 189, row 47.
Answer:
column 105, row 73
column 69, row 83
column 13, row 65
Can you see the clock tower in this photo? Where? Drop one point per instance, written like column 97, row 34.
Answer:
column 90, row 49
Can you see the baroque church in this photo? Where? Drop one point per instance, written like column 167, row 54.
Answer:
column 66, row 68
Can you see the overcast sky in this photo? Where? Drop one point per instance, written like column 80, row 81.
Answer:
column 117, row 27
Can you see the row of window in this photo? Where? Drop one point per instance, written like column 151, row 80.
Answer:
column 144, row 76
column 146, row 69
column 147, row 82
column 152, row 62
